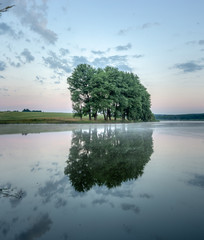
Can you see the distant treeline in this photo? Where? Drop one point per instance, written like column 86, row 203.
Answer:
column 185, row 117
column 28, row 110
column 24, row 110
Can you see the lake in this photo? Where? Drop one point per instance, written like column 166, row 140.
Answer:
column 119, row 181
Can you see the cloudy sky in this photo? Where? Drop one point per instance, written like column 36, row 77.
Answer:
column 160, row 41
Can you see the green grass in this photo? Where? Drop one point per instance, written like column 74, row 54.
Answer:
column 45, row 117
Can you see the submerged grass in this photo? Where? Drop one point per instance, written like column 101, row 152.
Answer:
column 46, row 117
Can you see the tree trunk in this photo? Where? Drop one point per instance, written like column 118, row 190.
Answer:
column 108, row 114
column 123, row 116
column 115, row 113
column 104, row 115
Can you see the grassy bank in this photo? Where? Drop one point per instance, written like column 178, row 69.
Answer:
column 46, row 117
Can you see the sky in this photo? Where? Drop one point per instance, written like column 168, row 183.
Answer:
column 42, row 41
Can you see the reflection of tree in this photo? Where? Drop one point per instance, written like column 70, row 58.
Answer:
column 107, row 158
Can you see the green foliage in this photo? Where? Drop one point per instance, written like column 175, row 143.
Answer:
column 107, row 157
column 110, row 92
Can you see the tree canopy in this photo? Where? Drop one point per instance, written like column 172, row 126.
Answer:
column 108, row 91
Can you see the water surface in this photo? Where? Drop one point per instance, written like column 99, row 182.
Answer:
column 123, row 181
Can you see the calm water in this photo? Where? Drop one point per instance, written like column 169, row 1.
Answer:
column 136, row 181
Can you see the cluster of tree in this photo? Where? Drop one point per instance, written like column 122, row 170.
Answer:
column 178, row 117
column 28, row 110
column 108, row 157
column 113, row 93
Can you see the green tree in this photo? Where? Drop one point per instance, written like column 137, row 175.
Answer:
column 111, row 92
column 80, row 88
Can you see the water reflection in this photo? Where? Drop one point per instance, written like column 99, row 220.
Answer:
column 197, row 180
column 39, row 228
column 107, row 157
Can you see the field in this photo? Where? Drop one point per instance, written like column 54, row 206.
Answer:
column 45, row 117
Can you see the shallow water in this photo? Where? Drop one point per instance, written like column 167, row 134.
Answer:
column 123, row 181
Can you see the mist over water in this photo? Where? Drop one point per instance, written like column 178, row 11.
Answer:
column 119, row 181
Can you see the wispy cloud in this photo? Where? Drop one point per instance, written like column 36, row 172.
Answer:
column 34, row 17
column 4, row 92
column 24, row 57
column 144, row 26
column 14, row 64
column 2, row 66
column 98, row 52
column 138, row 56
column 57, row 63
column 191, row 42
column 124, row 47
column 189, row 67
column 149, row 25
column 27, row 55
column 5, row 29
column 39, row 79
column 64, row 51
column 201, row 42
column 76, row 60
column 119, row 61
column 122, row 32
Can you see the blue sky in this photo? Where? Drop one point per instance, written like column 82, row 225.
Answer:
column 160, row 41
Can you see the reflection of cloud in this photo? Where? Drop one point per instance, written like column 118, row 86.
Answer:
column 145, row 195
column 51, row 189
column 124, row 193
column 38, row 229
column 127, row 228
column 60, row 203
column 18, row 198
column 130, row 207
column 197, row 181
column 99, row 201
column 4, row 228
